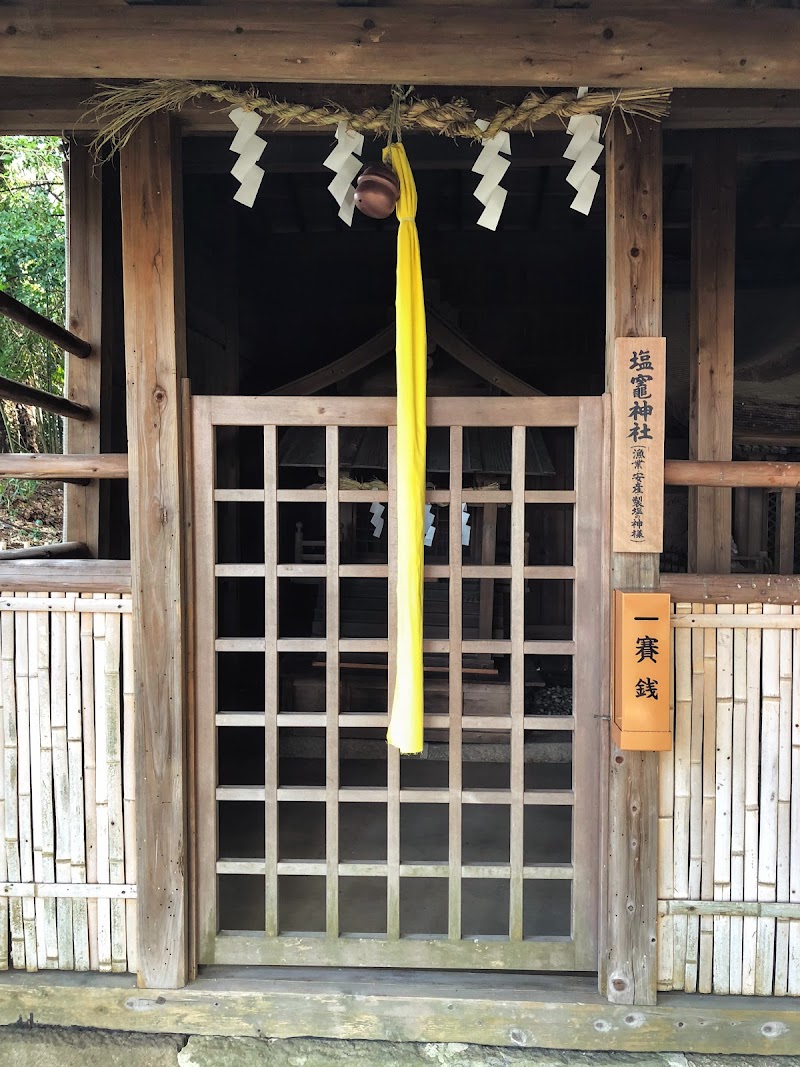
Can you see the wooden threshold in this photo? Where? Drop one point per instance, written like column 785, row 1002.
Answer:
column 559, row 1012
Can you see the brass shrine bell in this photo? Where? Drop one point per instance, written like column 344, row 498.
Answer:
column 377, row 191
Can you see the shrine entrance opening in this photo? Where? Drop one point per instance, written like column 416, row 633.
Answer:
column 316, row 843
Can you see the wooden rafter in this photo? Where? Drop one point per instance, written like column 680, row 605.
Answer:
column 443, row 333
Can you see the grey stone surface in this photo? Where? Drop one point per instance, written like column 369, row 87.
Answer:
column 57, row 1047
column 308, row 1052
column 68, row 1047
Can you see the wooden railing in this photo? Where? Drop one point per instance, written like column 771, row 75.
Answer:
column 729, row 796
column 68, row 869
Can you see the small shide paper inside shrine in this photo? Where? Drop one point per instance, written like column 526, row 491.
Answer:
column 638, row 466
column 641, row 671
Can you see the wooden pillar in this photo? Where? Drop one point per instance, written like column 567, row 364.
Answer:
column 711, row 325
column 84, row 318
column 155, row 360
column 633, row 295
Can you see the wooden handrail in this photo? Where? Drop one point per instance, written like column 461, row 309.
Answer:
column 62, row 550
column 732, row 474
column 29, row 394
column 61, row 468
column 66, row 576
column 46, row 328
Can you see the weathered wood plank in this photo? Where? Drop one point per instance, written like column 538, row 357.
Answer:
column 155, row 360
column 732, row 588
column 633, row 309
column 711, row 325
column 455, row 45
column 57, row 468
column 565, row 1014
column 85, row 315
column 731, row 474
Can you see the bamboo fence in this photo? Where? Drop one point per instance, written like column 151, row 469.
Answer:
column 729, row 803
column 68, row 869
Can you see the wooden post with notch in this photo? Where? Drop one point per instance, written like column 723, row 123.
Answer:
column 633, row 309
column 711, row 325
column 84, row 317
column 155, row 363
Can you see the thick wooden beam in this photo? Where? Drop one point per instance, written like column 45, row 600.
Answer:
column 761, row 474
column 84, row 315
column 29, row 394
column 633, row 309
column 711, row 326
column 564, row 1013
column 43, row 467
column 66, row 576
column 51, row 331
column 152, row 243
column 455, row 45
column 51, row 105
column 731, row 588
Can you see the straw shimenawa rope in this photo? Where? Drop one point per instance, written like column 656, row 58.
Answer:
column 119, row 110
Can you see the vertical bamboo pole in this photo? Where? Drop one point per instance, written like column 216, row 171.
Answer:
column 11, row 865
column 61, row 793
column 89, row 772
column 113, row 761
column 77, row 832
column 129, row 782
column 705, row 971
column 666, row 840
column 738, row 742
column 752, row 732
column 24, row 783
column 36, row 791
column 5, row 698
column 793, row 985
column 722, row 814
column 781, row 981
column 768, row 813
column 455, row 696
column 695, row 805
column 101, row 788
column 683, row 782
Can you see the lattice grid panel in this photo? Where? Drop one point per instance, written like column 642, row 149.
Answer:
column 317, row 844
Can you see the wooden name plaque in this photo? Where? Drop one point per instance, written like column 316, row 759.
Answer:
column 638, row 472
column 640, row 721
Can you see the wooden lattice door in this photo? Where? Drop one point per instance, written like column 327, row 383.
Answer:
column 316, row 844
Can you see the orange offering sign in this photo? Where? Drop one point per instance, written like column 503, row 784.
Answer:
column 641, row 719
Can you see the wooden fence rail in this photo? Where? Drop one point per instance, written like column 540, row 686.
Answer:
column 729, row 803
column 68, row 865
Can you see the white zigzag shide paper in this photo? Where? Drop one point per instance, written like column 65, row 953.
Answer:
column 249, row 148
column 345, row 162
column 493, row 167
column 584, row 150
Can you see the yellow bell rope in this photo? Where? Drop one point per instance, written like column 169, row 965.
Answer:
column 405, row 719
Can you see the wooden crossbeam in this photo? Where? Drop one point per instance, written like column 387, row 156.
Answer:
column 51, row 331
column 29, row 394
column 261, row 41
column 43, row 467
column 756, row 475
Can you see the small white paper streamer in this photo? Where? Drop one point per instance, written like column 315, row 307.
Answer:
column 493, row 167
column 430, row 529
column 584, row 149
column 249, row 148
column 345, row 162
column 466, row 529
column 377, row 511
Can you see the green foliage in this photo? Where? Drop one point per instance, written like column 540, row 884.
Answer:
column 32, row 269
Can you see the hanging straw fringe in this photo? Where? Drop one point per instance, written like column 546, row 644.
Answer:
column 118, row 111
